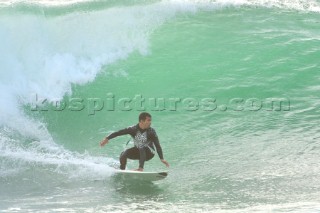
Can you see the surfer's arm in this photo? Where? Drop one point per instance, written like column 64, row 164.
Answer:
column 154, row 138
column 158, row 147
column 125, row 131
column 159, row 151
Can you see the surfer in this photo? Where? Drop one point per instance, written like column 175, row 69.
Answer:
column 145, row 141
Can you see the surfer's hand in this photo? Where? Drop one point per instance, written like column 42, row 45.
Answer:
column 165, row 162
column 104, row 142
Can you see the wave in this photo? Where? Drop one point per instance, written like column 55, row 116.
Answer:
column 60, row 7
column 46, row 55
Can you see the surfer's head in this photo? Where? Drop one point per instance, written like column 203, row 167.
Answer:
column 144, row 120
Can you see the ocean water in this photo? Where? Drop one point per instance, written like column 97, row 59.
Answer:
column 232, row 86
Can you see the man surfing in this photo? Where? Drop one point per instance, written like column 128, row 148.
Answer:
column 145, row 139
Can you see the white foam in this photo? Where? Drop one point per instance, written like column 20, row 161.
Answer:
column 16, row 157
column 43, row 2
column 299, row 5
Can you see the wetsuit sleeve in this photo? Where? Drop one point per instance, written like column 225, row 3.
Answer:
column 126, row 131
column 156, row 142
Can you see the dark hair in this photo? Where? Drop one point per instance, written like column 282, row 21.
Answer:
column 143, row 116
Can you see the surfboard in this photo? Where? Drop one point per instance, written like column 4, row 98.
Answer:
column 143, row 176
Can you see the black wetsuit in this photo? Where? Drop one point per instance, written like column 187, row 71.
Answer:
column 144, row 141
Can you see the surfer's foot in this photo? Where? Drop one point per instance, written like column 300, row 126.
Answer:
column 139, row 169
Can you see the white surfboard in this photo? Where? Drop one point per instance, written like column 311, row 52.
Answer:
column 143, row 176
